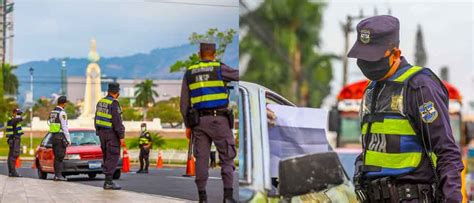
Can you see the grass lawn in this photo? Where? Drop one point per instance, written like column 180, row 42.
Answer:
column 172, row 143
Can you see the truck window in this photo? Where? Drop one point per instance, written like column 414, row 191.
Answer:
column 349, row 129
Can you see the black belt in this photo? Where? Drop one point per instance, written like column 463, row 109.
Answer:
column 384, row 189
column 217, row 112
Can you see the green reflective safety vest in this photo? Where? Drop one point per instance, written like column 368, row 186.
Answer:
column 103, row 113
column 54, row 122
column 207, row 88
column 143, row 140
column 391, row 146
column 10, row 130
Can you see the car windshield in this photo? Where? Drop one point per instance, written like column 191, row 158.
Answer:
column 79, row 138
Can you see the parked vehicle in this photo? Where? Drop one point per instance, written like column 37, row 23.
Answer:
column 255, row 182
column 83, row 156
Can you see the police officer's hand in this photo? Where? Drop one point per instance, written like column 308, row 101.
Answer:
column 188, row 133
column 122, row 142
column 360, row 192
column 271, row 117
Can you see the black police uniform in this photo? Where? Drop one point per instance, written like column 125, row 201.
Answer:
column 58, row 129
column 13, row 132
column 109, row 127
column 144, row 157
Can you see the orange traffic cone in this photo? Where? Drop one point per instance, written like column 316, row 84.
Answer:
column 33, row 166
column 126, row 161
column 18, row 163
column 190, row 167
column 159, row 161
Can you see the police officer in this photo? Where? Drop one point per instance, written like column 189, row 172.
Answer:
column 204, row 100
column 58, row 128
column 14, row 133
column 145, row 143
column 409, row 153
column 109, row 127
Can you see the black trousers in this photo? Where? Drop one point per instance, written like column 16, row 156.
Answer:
column 110, row 145
column 59, row 151
column 13, row 153
column 144, row 158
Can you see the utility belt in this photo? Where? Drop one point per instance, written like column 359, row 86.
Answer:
column 13, row 137
column 386, row 190
column 194, row 116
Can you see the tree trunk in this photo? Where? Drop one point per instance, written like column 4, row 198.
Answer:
column 296, row 82
column 144, row 113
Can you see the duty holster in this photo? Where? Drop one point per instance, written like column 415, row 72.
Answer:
column 192, row 118
column 230, row 117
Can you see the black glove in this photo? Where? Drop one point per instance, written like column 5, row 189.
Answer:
column 359, row 190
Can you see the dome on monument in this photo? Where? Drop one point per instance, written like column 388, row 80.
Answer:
column 93, row 57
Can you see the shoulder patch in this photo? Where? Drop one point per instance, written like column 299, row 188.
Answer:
column 428, row 112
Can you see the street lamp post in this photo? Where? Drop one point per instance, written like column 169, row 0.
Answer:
column 31, row 111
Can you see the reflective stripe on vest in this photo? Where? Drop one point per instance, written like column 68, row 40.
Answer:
column 206, row 86
column 103, row 116
column 393, row 147
column 11, row 131
column 54, row 122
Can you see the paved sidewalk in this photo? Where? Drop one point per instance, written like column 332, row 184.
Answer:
column 34, row 190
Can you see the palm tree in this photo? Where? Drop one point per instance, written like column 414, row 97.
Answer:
column 10, row 81
column 282, row 38
column 145, row 95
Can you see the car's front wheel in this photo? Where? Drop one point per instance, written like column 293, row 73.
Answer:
column 41, row 174
column 92, row 175
column 117, row 174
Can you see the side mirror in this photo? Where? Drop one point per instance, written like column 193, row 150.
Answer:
column 334, row 120
column 309, row 173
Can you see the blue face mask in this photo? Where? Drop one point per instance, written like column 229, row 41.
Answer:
column 375, row 70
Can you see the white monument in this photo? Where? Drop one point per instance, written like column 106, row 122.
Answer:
column 93, row 91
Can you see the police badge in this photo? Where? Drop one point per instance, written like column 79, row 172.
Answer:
column 365, row 36
column 428, row 112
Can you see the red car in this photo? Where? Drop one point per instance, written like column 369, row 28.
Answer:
column 83, row 156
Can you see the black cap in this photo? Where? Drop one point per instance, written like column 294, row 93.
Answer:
column 207, row 46
column 114, row 87
column 17, row 111
column 375, row 35
column 62, row 99
column 143, row 124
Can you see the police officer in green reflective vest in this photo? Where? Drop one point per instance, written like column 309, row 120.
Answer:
column 58, row 128
column 409, row 152
column 14, row 133
column 109, row 127
column 145, row 143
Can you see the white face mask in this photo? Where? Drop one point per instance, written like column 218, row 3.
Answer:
column 143, row 129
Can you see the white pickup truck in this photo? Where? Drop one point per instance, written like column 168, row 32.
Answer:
column 255, row 181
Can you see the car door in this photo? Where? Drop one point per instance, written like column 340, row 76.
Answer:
column 46, row 157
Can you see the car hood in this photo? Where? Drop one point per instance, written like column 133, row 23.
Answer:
column 86, row 149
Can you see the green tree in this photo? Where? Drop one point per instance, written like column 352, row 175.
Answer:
column 420, row 53
column 72, row 110
column 42, row 108
column 145, row 95
column 130, row 114
column 10, row 81
column 281, row 39
column 167, row 111
column 222, row 39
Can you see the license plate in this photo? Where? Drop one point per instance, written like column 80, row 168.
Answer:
column 95, row 165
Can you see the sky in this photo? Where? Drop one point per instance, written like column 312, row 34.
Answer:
column 448, row 36
column 63, row 28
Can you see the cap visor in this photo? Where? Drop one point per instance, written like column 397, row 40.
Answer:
column 367, row 52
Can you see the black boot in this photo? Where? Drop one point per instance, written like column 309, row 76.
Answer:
column 229, row 195
column 59, row 178
column 110, row 185
column 139, row 171
column 202, row 197
column 14, row 174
